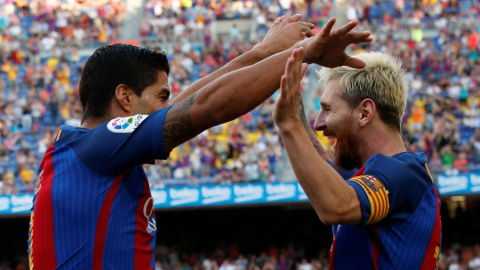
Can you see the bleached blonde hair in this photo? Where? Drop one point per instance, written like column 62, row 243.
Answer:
column 382, row 80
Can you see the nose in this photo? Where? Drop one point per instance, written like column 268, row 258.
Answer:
column 320, row 123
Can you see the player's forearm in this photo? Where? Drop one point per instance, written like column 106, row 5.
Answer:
column 332, row 198
column 311, row 134
column 238, row 92
column 246, row 59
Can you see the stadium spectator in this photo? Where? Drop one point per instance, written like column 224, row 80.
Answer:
column 474, row 263
column 8, row 180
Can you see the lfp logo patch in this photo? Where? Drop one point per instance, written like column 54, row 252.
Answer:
column 122, row 123
column 126, row 124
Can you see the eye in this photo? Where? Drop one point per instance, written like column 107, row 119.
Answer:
column 164, row 95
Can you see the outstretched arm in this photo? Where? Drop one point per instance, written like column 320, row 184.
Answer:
column 332, row 198
column 283, row 34
column 240, row 91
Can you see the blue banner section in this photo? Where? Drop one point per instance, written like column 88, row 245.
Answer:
column 228, row 194
column 198, row 196
column 255, row 193
column 16, row 204
column 459, row 184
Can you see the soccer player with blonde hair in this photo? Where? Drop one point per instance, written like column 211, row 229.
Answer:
column 387, row 216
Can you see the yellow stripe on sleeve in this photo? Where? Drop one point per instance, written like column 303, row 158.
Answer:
column 58, row 135
column 377, row 195
column 429, row 173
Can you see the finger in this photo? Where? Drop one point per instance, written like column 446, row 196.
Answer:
column 298, row 64
column 307, row 28
column 283, row 87
column 278, row 20
column 290, row 75
column 369, row 39
column 342, row 31
column 289, row 63
column 294, row 18
column 358, row 36
column 309, row 33
column 328, row 27
column 307, row 24
column 304, row 69
column 295, row 69
column 289, row 66
column 297, row 55
column 354, row 62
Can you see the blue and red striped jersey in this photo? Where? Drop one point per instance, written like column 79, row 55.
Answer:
column 92, row 207
column 401, row 226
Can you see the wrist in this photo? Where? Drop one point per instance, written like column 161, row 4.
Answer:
column 261, row 51
column 290, row 126
column 304, row 44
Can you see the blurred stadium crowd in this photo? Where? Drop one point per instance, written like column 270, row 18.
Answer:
column 289, row 257
column 41, row 63
column 438, row 42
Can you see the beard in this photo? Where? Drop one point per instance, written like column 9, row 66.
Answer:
column 346, row 153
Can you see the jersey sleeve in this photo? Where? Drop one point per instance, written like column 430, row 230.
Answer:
column 373, row 197
column 390, row 188
column 123, row 142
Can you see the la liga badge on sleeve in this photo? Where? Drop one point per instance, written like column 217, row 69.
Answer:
column 126, row 124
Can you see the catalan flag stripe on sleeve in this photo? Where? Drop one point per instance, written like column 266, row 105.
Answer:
column 377, row 195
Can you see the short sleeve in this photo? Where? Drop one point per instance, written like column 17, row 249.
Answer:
column 373, row 197
column 391, row 187
column 123, row 142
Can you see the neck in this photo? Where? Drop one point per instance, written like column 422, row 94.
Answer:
column 383, row 141
column 90, row 123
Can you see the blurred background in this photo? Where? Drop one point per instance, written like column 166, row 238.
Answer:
column 228, row 199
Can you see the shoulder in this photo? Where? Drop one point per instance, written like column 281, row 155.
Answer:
column 407, row 165
column 404, row 172
column 401, row 160
column 68, row 134
column 126, row 125
column 405, row 176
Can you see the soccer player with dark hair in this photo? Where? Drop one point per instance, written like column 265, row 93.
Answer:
column 92, row 206
column 387, row 216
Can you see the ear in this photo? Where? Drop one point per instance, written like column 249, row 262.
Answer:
column 367, row 110
column 124, row 96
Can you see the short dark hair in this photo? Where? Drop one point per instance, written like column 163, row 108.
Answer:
column 116, row 64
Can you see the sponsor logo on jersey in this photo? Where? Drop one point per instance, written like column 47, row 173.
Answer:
column 148, row 213
column 126, row 124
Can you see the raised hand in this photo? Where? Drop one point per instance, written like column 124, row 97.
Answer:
column 284, row 33
column 328, row 47
column 286, row 106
